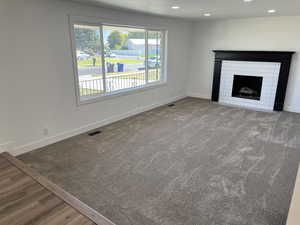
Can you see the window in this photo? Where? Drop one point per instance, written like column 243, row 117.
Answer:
column 113, row 59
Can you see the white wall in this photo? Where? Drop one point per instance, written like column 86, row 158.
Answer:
column 271, row 34
column 37, row 83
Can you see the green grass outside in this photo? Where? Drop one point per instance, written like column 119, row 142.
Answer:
column 152, row 75
column 89, row 62
column 87, row 91
column 114, row 73
column 151, row 55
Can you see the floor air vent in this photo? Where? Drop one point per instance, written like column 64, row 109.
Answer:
column 95, row 133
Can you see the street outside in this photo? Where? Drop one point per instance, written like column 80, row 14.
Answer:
column 88, row 70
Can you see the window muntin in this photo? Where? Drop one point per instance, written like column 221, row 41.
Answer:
column 154, row 55
column 113, row 59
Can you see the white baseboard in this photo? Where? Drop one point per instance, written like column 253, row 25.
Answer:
column 5, row 147
column 199, row 95
column 59, row 137
column 207, row 96
column 292, row 109
column 2, row 149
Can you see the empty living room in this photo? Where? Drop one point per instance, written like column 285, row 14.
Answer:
column 162, row 112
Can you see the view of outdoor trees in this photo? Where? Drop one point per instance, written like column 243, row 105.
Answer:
column 116, row 40
column 125, row 58
column 87, row 40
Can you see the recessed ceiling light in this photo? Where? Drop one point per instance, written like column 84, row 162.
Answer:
column 248, row 0
column 207, row 14
column 175, row 7
column 272, row 11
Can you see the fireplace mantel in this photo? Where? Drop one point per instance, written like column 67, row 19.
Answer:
column 256, row 56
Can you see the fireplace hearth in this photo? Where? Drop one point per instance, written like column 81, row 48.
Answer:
column 248, row 87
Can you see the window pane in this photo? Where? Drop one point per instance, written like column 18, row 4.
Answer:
column 89, row 63
column 124, row 57
column 154, row 55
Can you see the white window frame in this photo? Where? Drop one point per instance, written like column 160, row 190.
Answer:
column 100, row 22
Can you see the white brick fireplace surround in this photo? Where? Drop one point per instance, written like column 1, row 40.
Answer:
column 269, row 71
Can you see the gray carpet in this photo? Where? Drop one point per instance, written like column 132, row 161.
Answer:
column 197, row 163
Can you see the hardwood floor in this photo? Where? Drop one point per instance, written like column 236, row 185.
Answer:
column 294, row 216
column 27, row 198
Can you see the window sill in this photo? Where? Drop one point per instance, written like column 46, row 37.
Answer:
column 101, row 97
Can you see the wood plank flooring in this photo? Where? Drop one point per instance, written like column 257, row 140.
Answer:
column 294, row 216
column 27, row 198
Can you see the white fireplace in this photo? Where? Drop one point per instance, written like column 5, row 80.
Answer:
column 249, row 84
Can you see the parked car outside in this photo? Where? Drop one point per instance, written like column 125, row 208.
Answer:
column 82, row 55
column 109, row 54
column 153, row 61
column 113, row 55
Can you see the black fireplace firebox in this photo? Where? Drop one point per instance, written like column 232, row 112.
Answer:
column 248, row 87
column 255, row 56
